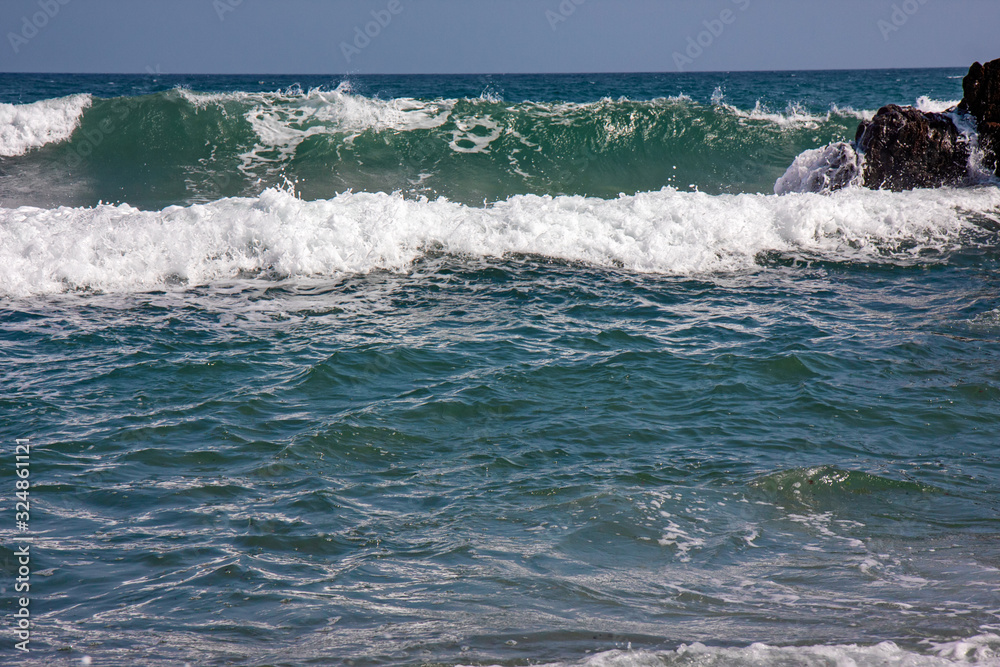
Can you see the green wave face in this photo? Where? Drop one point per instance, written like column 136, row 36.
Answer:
column 179, row 147
column 826, row 484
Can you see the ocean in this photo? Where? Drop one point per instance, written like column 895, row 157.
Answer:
column 489, row 370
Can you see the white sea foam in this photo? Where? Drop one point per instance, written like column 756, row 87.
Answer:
column 681, row 540
column 966, row 125
column 282, row 121
column 341, row 111
column 978, row 171
column 851, row 112
column 796, row 115
column 27, row 126
column 475, row 135
column 822, row 170
column 983, row 650
column 929, row 105
column 120, row 248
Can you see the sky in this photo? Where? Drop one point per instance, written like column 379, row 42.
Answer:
column 491, row 36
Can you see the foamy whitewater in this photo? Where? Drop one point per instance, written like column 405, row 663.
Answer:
column 277, row 235
column 976, row 650
column 575, row 370
column 23, row 127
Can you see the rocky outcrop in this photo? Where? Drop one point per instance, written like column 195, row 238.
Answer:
column 981, row 88
column 905, row 148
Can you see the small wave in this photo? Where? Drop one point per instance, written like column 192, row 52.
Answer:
column 27, row 126
column 981, row 650
column 276, row 235
column 829, row 480
column 795, row 114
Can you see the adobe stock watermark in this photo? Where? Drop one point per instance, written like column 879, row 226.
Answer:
column 363, row 35
column 566, row 9
column 223, row 7
column 93, row 137
column 23, row 623
column 30, row 27
column 89, row 139
column 901, row 15
column 704, row 40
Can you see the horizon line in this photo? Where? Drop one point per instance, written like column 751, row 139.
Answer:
column 609, row 72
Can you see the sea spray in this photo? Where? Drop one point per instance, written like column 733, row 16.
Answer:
column 278, row 235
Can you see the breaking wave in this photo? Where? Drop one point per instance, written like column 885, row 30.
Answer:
column 278, row 235
column 183, row 147
column 27, row 126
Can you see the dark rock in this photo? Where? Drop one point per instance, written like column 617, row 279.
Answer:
column 981, row 87
column 905, row 148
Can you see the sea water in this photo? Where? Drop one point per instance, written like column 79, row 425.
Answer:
column 492, row 370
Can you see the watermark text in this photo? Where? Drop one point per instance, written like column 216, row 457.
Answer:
column 714, row 29
column 565, row 9
column 363, row 35
column 901, row 15
column 22, row 523
column 223, row 7
column 31, row 26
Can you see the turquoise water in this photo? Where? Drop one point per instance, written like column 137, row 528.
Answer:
column 312, row 423
column 181, row 140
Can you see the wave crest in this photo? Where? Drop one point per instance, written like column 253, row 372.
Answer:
column 27, row 126
column 276, row 235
